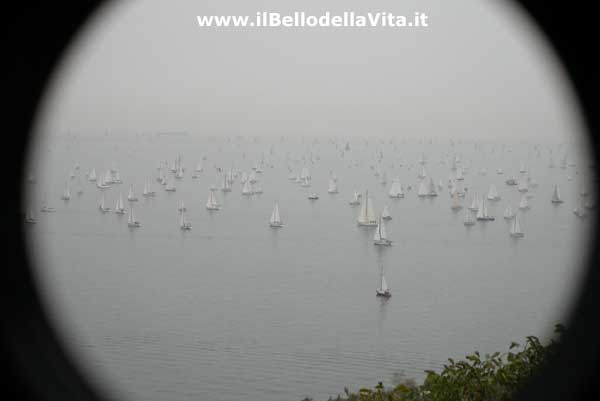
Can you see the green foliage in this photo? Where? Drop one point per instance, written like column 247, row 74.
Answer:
column 494, row 377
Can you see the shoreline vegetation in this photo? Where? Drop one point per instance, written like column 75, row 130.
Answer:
column 496, row 376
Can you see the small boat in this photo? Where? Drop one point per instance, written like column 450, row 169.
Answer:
column 524, row 204
column 226, row 186
column 380, row 236
column 182, row 207
column 556, row 195
column 431, row 190
column 493, row 193
column 455, row 205
column 366, row 217
column 275, row 220
column 355, row 201
column 508, row 212
column 120, row 207
column 523, row 169
column 183, row 224
column 482, row 213
column 385, row 214
column 423, row 190
column 383, row 290
column 256, row 188
column 170, row 186
column 469, row 219
column 247, row 188
column 332, row 187
column 67, row 193
column 580, row 208
column 511, row 181
column 148, row 190
column 212, row 203
column 92, row 175
column 313, row 196
column 132, row 222
column 101, row 206
column 396, row 191
column 515, row 229
column 29, row 217
column 131, row 197
column 523, row 185
column 475, row 203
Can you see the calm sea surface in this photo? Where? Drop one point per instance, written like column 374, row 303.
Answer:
column 235, row 310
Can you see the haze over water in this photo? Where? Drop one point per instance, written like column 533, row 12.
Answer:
column 236, row 310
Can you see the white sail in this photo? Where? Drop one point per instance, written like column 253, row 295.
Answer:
column 475, row 203
column 366, row 217
column 455, row 202
column 556, row 195
column 515, row 229
column 67, row 192
column 332, row 187
column 247, row 188
column 385, row 214
column 422, row 189
column 211, row 202
column 396, row 191
column 493, row 193
column 275, row 220
column 469, row 220
column 523, row 204
column 92, row 175
column 131, row 197
column 355, row 199
column 508, row 212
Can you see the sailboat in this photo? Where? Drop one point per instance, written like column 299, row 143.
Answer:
column 508, row 212
column 383, row 290
column 131, row 197
column 380, row 236
column 247, row 188
column 92, row 175
column 313, row 196
column 515, row 229
column 226, row 186
column 148, row 189
column 469, row 220
column 459, row 175
column 366, row 217
column 101, row 206
column 79, row 187
column 45, row 207
column 580, row 208
column 482, row 213
column 455, row 205
column 132, row 222
column 170, row 185
column 182, row 207
column 475, row 203
column 423, row 190
column 431, row 191
column 67, row 193
column 332, row 187
column 355, row 201
column 493, row 193
column 396, row 191
column 275, row 220
column 523, row 185
column 120, row 208
column 556, row 195
column 211, row 202
column 29, row 217
column 183, row 224
column 511, row 181
column 385, row 214
column 524, row 204
column 523, row 169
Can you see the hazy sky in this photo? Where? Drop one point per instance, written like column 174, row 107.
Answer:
column 478, row 71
